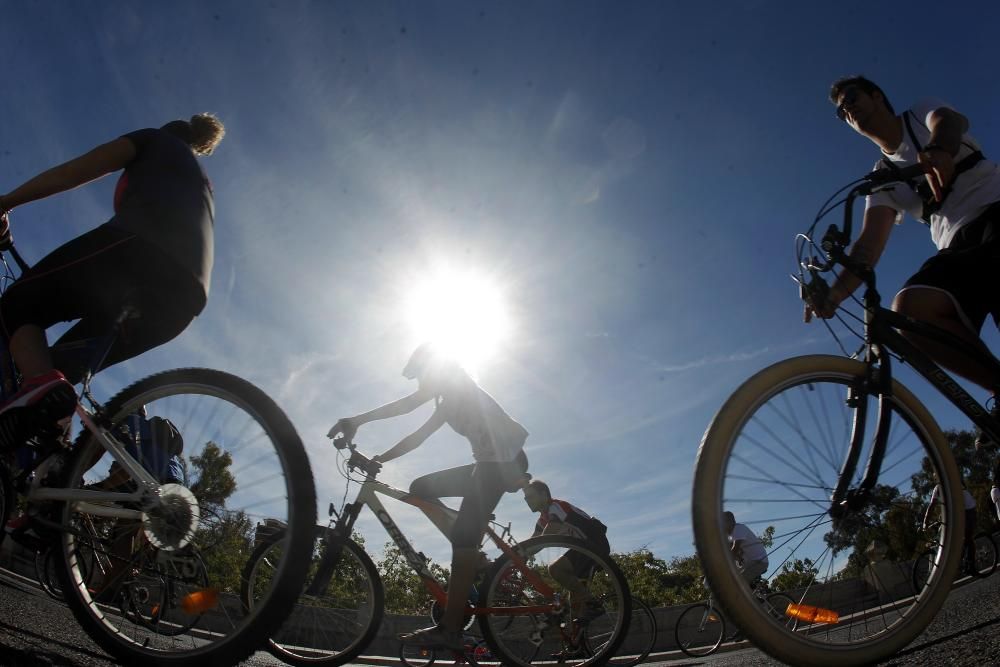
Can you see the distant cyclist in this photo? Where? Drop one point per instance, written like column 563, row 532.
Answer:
column 746, row 548
column 497, row 446
column 154, row 254
column 969, row 545
column 959, row 201
column 558, row 517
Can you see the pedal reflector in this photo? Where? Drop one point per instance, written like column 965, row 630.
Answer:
column 200, row 601
column 810, row 614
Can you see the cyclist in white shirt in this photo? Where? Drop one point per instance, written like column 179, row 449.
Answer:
column 969, row 545
column 995, row 491
column 959, row 200
column 747, row 549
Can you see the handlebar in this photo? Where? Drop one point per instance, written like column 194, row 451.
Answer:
column 357, row 460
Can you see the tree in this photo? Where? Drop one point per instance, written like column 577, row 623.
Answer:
column 213, row 482
column 800, row 573
column 405, row 592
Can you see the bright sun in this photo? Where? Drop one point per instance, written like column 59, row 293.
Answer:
column 462, row 313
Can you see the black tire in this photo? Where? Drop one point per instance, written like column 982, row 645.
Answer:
column 521, row 639
column 251, row 467
column 329, row 629
column 48, row 579
column 922, row 568
column 699, row 630
column 639, row 642
column 778, row 606
column 412, row 655
column 157, row 590
column 772, row 456
column 986, row 554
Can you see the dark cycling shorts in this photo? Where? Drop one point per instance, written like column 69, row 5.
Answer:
column 91, row 279
column 583, row 565
column 969, row 269
column 480, row 485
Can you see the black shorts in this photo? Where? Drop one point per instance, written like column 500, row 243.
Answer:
column 969, row 270
column 91, row 279
column 480, row 485
column 582, row 564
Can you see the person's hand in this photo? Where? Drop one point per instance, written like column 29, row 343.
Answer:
column 940, row 168
column 345, row 427
column 826, row 309
column 6, row 239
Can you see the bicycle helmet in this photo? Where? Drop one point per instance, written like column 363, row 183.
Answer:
column 418, row 362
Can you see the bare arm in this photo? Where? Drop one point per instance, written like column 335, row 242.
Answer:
column 99, row 162
column 348, row 426
column 415, row 439
column 867, row 250
column 947, row 127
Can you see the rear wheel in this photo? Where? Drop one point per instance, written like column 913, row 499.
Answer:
column 772, row 456
column 639, row 642
column 331, row 628
column 245, row 465
column 699, row 630
column 537, row 619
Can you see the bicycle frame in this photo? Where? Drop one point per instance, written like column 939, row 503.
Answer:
column 443, row 518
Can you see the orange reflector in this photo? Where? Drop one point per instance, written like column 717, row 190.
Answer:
column 201, row 601
column 810, row 614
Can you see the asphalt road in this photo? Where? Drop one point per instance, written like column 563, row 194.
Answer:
column 36, row 631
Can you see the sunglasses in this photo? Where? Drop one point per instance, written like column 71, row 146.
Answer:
column 849, row 98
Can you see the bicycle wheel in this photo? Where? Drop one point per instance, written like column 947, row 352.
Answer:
column 535, row 618
column 922, row 568
column 772, row 456
column 246, row 464
column 416, row 656
column 778, row 605
column 986, row 554
column 158, row 589
column 639, row 642
column 46, row 575
column 699, row 630
column 329, row 629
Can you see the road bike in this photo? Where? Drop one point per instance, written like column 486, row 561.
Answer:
column 984, row 554
column 150, row 570
column 701, row 628
column 784, row 452
column 522, row 613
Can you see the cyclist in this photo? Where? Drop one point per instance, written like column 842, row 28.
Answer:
column 959, row 200
column 497, row 446
column 747, row 549
column 155, row 254
column 969, row 545
column 558, row 517
column 995, row 490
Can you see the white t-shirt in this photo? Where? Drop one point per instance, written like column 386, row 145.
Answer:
column 972, row 191
column 753, row 549
column 995, row 497
column 473, row 413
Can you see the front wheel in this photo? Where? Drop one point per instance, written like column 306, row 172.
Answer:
column 699, row 630
column 177, row 569
column 772, row 457
column 545, row 600
column 331, row 628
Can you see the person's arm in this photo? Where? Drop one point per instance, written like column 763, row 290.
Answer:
column 947, row 127
column 875, row 229
column 348, row 426
column 92, row 165
column 415, row 439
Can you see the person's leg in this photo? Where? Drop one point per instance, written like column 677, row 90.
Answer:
column 938, row 307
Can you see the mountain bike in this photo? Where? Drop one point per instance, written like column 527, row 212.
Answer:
column 784, row 451
column 150, row 570
column 984, row 555
column 701, row 628
column 522, row 612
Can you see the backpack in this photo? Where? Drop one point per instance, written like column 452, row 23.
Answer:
column 164, row 436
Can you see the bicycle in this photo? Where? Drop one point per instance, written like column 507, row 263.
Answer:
column 811, row 419
column 475, row 651
column 171, row 597
column 521, row 612
column 984, row 555
column 701, row 628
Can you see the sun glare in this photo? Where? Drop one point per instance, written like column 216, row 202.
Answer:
column 462, row 313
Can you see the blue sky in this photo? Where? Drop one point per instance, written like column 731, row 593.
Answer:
column 630, row 175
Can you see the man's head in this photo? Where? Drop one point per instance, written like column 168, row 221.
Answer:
column 728, row 522
column 537, row 495
column 857, row 98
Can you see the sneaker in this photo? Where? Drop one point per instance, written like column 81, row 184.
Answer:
column 41, row 402
column 434, row 636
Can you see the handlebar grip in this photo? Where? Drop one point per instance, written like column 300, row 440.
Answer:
column 341, row 443
column 883, row 176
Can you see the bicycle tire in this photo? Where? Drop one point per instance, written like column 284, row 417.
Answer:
column 509, row 636
column 47, row 578
column 344, row 620
column 814, row 401
column 252, row 467
column 699, row 630
column 412, row 655
column 170, row 581
column 922, row 568
column 639, row 642
column 779, row 603
column 986, row 554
